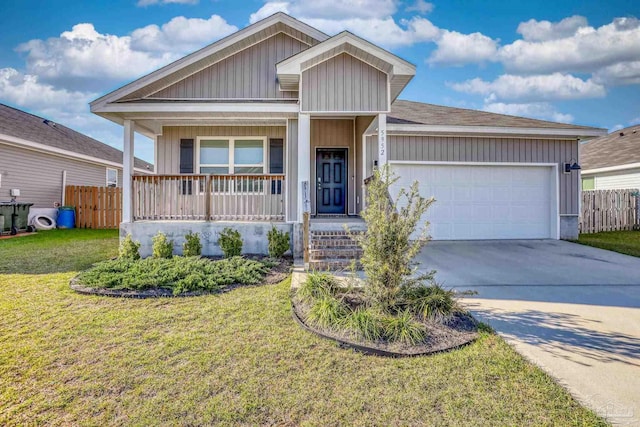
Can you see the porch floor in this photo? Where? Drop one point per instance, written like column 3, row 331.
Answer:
column 337, row 223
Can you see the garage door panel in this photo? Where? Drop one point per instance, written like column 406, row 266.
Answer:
column 484, row 202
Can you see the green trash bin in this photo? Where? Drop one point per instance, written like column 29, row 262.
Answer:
column 6, row 209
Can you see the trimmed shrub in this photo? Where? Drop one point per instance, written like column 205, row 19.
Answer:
column 230, row 242
column 403, row 328
column 129, row 249
column 192, row 245
column 162, row 247
column 278, row 242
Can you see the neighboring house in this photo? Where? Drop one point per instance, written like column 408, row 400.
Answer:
column 38, row 157
column 612, row 162
column 279, row 118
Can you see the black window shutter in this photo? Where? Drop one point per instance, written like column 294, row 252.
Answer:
column 276, row 163
column 186, row 156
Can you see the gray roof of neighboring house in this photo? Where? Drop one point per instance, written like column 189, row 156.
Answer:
column 410, row 112
column 20, row 124
column 621, row 147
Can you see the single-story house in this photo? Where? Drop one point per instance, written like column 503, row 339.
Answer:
column 279, row 119
column 612, row 162
column 39, row 157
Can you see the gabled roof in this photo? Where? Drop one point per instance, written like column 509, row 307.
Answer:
column 400, row 71
column 209, row 55
column 619, row 148
column 418, row 113
column 19, row 124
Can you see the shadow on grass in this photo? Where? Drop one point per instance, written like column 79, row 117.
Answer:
column 57, row 251
column 569, row 333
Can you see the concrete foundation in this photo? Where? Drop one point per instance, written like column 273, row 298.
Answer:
column 254, row 235
column 569, row 227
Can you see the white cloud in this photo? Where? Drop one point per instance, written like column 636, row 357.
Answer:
column 420, row 6
column 143, row 3
column 554, row 86
column 456, row 49
column 83, row 58
column 622, row 73
column 616, row 127
column 370, row 19
column 66, row 107
column 533, row 30
column 181, row 34
column 536, row 110
column 25, row 90
column 329, row 9
column 588, row 50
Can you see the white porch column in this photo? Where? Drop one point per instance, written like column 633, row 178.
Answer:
column 382, row 139
column 304, row 164
column 127, row 172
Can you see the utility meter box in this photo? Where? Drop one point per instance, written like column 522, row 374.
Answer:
column 14, row 192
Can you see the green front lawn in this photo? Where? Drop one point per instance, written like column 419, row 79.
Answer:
column 625, row 242
column 229, row 359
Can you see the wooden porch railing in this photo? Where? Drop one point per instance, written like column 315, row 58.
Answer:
column 209, row 197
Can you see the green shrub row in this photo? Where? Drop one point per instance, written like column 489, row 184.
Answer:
column 180, row 274
column 230, row 242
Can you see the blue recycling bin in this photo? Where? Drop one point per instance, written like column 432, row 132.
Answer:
column 66, row 217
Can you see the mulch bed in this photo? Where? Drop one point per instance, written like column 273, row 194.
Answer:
column 459, row 330
column 275, row 275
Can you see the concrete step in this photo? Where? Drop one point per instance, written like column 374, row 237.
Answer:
column 337, row 243
column 330, row 264
column 342, row 254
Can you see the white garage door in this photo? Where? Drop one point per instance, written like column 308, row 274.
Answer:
column 485, row 202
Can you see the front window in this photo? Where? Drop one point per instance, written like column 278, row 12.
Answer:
column 231, row 156
column 112, row 177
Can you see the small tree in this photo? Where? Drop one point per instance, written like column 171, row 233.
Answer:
column 230, row 242
column 129, row 249
column 162, row 247
column 191, row 245
column 388, row 248
column 278, row 242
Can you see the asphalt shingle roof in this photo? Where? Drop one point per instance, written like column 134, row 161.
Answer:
column 621, row 147
column 410, row 112
column 20, row 124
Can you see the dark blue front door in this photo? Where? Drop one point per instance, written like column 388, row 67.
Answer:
column 331, row 180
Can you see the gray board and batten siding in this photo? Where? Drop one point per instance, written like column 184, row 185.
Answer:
column 42, row 184
column 487, row 149
column 344, row 84
column 169, row 141
column 248, row 74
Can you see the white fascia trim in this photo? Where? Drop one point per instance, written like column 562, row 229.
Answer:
column 611, row 168
column 199, row 108
column 495, row 130
column 35, row 146
column 209, row 50
column 428, row 162
column 293, row 65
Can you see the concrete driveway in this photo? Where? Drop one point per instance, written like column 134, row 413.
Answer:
column 571, row 309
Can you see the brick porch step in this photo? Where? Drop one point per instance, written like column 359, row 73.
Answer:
column 330, row 264
column 335, row 253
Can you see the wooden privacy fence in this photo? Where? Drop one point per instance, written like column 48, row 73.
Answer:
column 609, row 210
column 96, row 207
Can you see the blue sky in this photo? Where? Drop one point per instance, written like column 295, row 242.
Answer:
column 569, row 61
